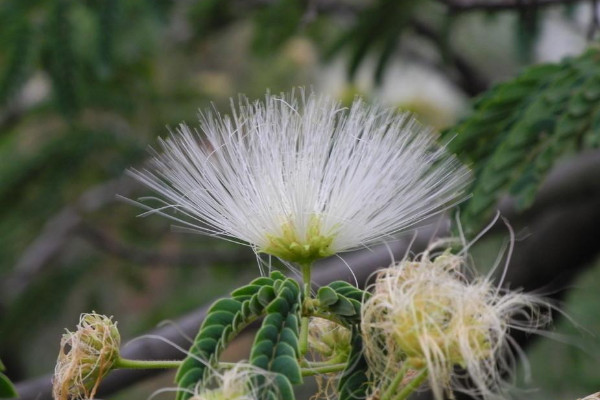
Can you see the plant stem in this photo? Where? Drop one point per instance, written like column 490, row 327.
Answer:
column 303, row 343
column 412, row 385
column 326, row 369
column 146, row 364
column 317, row 364
column 391, row 389
column 329, row 317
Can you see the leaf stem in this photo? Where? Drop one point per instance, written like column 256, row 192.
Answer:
column 325, row 369
column 329, row 317
column 391, row 389
column 316, row 364
column 146, row 364
column 303, row 342
column 412, row 385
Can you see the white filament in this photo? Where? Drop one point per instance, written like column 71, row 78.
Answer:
column 366, row 172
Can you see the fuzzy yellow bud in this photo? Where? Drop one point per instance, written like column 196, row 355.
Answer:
column 85, row 357
column 426, row 314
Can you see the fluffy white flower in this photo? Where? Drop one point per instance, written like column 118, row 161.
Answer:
column 301, row 177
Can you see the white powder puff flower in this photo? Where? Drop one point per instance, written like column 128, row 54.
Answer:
column 426, row 317
column 300, row 177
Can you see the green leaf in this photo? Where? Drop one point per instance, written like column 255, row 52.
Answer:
column 285, row 388
column 7, row 389
column 353, row 383
column 277, row 275
column 228, row 305
column 246, row 291
column 287, row 366
column 285, row 349
column 520, row 128
column 212, row 331
column 274, row 319
column 219, row 318
column 267, row 332
column 263, row 281
column 261, row 361
column 343, row 307
column 279, row 305
column 265, row 295
column 291, row 321
column 264, row 347
column 289, row 337
column 327, row 296
column 189, row 378
column 353, row 386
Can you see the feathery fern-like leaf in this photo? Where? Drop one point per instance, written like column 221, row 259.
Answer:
column 519, row 129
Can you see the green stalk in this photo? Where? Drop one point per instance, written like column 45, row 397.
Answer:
column 146, row 364
column 326, row 369
column 303, row 342
column 330, row 317
column 412, row 385
column 317, row 364
column 389, row 392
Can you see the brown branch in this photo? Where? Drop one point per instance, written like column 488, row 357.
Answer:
column 499, row 5
column 57, row 231
column 469, row 79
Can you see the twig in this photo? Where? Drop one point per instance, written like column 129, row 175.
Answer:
column 48, row 245
column 595, row 22
column 469, row 79
column 498, row 5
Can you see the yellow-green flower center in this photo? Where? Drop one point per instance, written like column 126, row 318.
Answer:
column 291, row 246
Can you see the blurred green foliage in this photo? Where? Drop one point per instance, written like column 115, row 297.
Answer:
column 519, row 129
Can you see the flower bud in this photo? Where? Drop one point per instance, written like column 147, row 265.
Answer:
column 328, row 339
column 86, row 356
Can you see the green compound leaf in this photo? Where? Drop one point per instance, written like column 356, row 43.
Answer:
column 519, row 129
column 225, row 319
column 346, row 303
column 275, row 346
column 353, row 383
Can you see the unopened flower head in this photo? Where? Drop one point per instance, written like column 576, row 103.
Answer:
column 300, row 177
column 85, row 357
column 329, row 342
column 428, row 314
column 242, row 382
column 328, row 339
